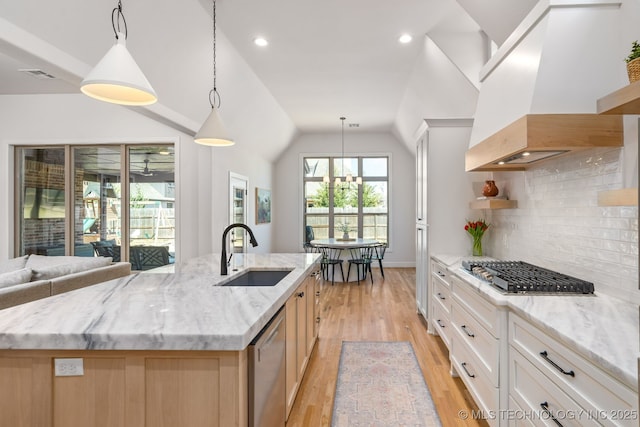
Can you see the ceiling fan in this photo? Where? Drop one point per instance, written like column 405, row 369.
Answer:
column 146, row 171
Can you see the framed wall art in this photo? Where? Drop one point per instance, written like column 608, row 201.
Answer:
column 263, row 206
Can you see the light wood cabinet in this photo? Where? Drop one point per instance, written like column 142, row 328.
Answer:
column 301, row 334
column 144, row 388
column 124, row 389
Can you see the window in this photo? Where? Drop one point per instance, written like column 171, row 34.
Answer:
column 71, row 201
column 363, row 208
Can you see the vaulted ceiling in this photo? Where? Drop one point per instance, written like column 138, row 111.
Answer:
column 324, row 59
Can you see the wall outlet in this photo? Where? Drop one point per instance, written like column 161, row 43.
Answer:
column 69, row 367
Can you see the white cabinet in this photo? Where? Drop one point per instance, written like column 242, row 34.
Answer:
column 440, row 318
column 421, row 179
column 478, row 348
column 422, row 295
column 518, row 372
column 442, row 191
column 548, row 376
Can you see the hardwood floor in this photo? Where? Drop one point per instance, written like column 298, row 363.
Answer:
column 384, row 311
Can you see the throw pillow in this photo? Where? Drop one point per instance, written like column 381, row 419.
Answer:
column 51, row 271
column 13, row 264
column 15, row 277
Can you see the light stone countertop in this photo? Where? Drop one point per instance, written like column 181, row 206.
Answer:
column 604, row 329
column 160, row 310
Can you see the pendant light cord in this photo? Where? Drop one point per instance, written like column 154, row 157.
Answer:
column 116, row 15
column 214, row 96
column 343, row 171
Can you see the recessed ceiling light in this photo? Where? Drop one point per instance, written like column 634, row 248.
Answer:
column 405, row 38
column 260, row 41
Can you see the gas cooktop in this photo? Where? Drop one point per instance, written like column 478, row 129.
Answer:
column 522, row 277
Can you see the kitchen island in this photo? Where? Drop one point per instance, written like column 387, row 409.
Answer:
column 157, row 349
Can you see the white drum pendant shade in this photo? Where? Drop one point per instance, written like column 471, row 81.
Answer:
column 213, row 131
column 118, row 79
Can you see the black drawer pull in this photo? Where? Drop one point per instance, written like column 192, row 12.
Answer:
column 440, row 274
column 464, row 366
column 545, row 408
column 466, row 331
column 440, row 323
column 300, row 295
column 545, row 356
column 440, row 296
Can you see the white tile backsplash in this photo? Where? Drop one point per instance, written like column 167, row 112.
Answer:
column 559, row 225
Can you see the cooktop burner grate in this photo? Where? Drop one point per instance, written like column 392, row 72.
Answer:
column 519, row 276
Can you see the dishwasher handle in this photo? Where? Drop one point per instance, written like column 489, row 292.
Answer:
column 269, row 338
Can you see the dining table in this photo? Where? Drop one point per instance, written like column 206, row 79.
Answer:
column 337, row 243
column 341, row 244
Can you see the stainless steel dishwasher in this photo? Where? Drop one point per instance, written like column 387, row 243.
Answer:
column 267, row 396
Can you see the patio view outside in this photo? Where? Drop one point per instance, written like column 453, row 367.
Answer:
column 139, row 229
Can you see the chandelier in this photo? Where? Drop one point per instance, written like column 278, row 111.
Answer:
column 348, row 179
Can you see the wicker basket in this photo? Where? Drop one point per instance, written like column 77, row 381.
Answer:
column 633, row 69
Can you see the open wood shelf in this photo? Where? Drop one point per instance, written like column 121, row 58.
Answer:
column 623, row 101
column 493, row 204
column 622, row 197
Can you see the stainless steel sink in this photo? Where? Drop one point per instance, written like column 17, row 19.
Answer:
column 258, row 278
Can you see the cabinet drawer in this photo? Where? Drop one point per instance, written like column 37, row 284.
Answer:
column 485, row 312
column 483, row 345
column 479, row 385
column 541, row 398
column 441, row 295
column 586, row 383
column 516, row 416
column 440, row 272
column 441, row 323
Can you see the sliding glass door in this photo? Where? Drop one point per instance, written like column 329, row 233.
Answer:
column 97, row 200
column 41, row 201
column 71, row 201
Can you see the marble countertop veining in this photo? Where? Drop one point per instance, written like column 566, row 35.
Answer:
column 602, row 328
column 182, row 310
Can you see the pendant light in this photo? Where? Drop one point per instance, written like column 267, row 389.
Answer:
column 213, row 131
column 117, row 78
column 348, row 176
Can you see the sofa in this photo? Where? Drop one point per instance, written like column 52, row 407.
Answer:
column 33, row 277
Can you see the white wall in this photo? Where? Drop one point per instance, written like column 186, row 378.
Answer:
column 259, row 173
column 201, row 172
column 287, row 215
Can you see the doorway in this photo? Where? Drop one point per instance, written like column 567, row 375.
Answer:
column 238, row 185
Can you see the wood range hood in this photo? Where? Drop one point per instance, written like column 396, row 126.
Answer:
column 534, row 138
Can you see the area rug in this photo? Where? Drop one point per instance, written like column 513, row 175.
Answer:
column 380, row 384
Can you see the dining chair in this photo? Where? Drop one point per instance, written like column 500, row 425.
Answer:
column 330, row 257
column 361, row 257
column 378, row 254
column 308, row 237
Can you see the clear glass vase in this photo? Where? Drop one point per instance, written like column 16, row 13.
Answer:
column 477, row 246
